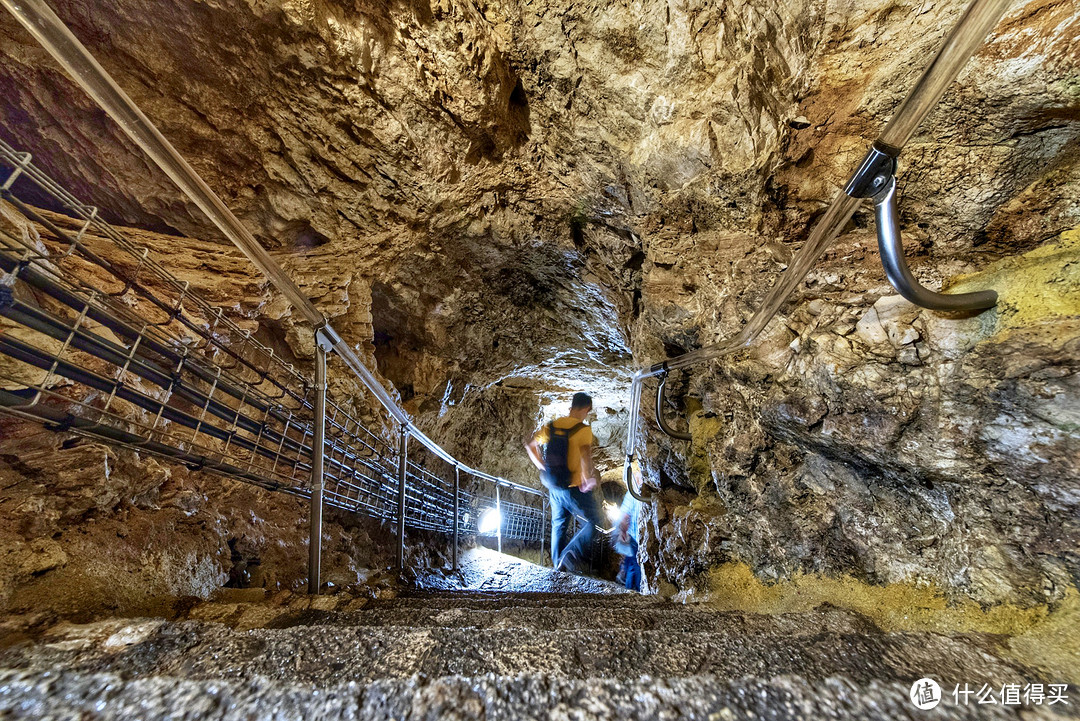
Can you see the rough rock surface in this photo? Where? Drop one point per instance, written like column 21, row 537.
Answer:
column 867, row 437
column 114, row 532
column 93, row 529
column 472, row 654
column 510, row 201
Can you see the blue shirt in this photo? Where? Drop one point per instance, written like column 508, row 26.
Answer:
column 627, row 545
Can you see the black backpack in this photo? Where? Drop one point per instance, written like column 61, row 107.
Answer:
column 556, row 452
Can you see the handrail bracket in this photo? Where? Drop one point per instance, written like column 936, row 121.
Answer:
column 891, row 248
column 660, row 420
column 876, row 179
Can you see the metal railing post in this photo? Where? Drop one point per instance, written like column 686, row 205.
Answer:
column 317, row 458
column 498, row 514
column 403, row 469
column 44, row 25
column 457, row 514
column 543, row 526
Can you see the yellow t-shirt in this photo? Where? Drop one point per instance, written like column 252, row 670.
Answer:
column 583, row 437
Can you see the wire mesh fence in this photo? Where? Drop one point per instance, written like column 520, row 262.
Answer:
column 518, row 521
column 100, row 339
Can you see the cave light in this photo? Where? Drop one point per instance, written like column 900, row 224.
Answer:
column 614, row 513
column 490, row 522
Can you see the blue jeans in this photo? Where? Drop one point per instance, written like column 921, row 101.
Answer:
column 565, row 504
column 632, row 569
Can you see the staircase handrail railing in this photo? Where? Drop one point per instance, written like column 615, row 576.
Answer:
column 174, row 344
column 53, row 35
column 51, row 32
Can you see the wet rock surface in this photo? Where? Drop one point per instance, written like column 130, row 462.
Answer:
column 471, row 654
column 482, row 569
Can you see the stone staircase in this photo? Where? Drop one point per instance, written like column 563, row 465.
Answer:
column 471, row 654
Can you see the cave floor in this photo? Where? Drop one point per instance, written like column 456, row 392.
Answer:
column 483, row 569
column 562, row 648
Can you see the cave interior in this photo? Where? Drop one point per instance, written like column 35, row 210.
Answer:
column 465, row 212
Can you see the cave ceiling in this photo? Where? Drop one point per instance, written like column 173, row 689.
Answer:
column 533, row 195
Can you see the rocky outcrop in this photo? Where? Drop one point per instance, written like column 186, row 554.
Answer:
column 868, row 437
column 93, row 529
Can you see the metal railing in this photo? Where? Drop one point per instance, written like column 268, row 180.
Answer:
column 104, row 341
column 874, row 179
column 49, row 30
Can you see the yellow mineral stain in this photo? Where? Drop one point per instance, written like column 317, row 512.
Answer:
column 702, row 428
column 1053, row 644
column 1037, row 287
column 1041, row 636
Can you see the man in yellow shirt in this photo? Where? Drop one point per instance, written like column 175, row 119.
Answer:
column 566, row 469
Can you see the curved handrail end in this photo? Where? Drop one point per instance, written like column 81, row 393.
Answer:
column 628, row 478
column 660, row 420
column 891, row 248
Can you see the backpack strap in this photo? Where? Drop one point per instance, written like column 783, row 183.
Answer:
column 567, row 433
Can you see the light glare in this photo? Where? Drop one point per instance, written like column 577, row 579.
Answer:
column 614, row 513
column 490, row 521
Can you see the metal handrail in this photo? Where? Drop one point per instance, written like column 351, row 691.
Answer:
column 206, row 415
column 51, row 32
column 58, row 40
column 978, row 19
column 660, row 420
column 896, row 269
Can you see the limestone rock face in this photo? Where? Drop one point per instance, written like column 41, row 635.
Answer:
column 505, row 202
column 94, row 529
column 865, row 436
column 91, row 530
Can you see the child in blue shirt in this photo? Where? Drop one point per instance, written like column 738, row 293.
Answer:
column 626, row 542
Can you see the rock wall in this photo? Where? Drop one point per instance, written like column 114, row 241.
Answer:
column 863, row 437
column 505, row 202
column 867, row 437
column 92, row 529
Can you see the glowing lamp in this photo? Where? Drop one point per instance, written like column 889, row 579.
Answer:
column 490, row 522
column 614, row 513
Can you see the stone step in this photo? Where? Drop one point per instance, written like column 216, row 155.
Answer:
column 363, row 654
column 485, row 570
column 480, row 600
column 242, row 611
column 246, row 609
column 108, row 697
column 670, row 617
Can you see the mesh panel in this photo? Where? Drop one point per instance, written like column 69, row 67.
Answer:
column 101, row 340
